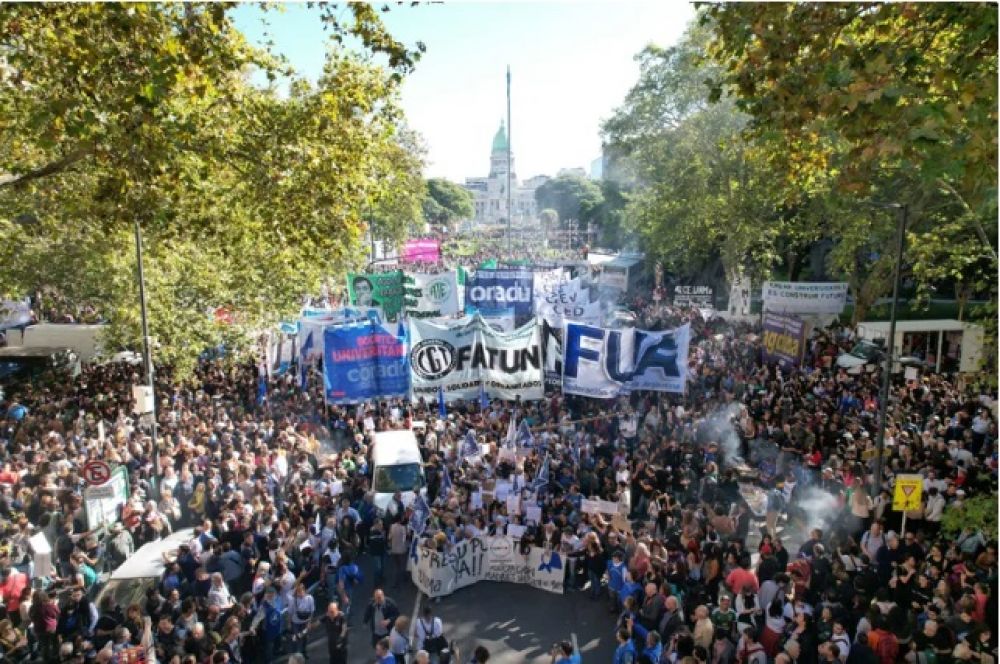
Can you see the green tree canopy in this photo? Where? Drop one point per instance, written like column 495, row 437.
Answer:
column 446, row 202
column 571, row 196
column 247, row 198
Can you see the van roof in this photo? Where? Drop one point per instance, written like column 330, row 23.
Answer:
column 147, row 562
column 395, row 447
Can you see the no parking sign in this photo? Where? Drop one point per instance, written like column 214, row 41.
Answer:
column 96, row 472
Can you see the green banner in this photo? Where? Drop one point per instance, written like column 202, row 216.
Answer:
column 382, row 289
column 489, row 264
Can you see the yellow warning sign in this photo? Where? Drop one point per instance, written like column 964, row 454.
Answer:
column 906, row 496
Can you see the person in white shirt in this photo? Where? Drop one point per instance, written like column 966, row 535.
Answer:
column 429, row 632
column 933, row 510
column 219, row 595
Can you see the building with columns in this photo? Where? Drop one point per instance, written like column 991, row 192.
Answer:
column 490, row 193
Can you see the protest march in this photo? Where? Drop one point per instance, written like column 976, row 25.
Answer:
column 709, row 481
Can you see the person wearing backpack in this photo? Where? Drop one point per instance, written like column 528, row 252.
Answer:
column 430, row 633
column 349, row 577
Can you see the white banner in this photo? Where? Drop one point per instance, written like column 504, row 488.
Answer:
column 805, row 297
column 460, row 355
column 430, row 295
column 604, row 363
column 15, row 313
column 486, row 559
column 546, row 281
column 614, row 279
column 588, row 314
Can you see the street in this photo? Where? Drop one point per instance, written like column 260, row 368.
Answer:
column 516, row 623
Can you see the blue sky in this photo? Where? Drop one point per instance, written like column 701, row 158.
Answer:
column 571, row 65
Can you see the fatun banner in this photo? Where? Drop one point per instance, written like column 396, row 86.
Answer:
column 497, row 290
column 362, row 362
column 431, row 295
column 381, row 289
column 458, row 356
column 604, row 364
column 486, row 559
column 784, row 339
column 803, row 297
column 421, row 251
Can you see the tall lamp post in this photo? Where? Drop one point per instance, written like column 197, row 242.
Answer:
column 147, row 356
column 510, row 209
column 903, row 211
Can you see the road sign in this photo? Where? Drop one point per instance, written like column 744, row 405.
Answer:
column 908, row 491
column 96, row 472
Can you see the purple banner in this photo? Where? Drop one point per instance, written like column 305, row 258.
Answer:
column 421, row 251
column 784, row 339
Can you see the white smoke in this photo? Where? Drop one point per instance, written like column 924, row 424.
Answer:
column 819, row 508
column 720, row 429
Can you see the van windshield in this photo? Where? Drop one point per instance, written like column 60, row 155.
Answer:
column 405, row 477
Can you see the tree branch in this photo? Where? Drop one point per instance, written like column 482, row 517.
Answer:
column 976, row 224
column 48, row 169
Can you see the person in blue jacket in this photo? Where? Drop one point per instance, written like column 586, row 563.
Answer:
column 625, row 652
column 564, row 653
column 650, row 640
column 616, row 579
column 269, row 621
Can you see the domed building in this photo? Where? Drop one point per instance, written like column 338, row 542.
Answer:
column 490, row 193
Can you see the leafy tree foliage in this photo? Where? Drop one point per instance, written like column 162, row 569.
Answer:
column 446, row 202
column 247, row 198
column 572, row 197
column 890, row 102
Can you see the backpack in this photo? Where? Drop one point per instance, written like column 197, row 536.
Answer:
column 887, row 648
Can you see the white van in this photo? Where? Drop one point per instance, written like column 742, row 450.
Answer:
column 396, row 466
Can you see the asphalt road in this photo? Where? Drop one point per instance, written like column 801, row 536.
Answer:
column 516, row 623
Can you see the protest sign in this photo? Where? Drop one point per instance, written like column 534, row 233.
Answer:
column 805, row 297
column 421, row 251
column 604, row 364
column 694, row 296
column 486, row 559
column 552, row 353
column 784, row 339
column 460, row 356
column 363, row 361
column 380, row 289
column 431, row 295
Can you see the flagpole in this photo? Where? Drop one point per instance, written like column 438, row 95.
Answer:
column 510, row 209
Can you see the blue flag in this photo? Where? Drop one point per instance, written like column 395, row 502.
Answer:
column 470, row 447
column 304, row 361
column 511, row 439
column 442, row 411
column 484, row 401
column 524, row 436
column 421, row 512
column 541, row 480
column 445, row 482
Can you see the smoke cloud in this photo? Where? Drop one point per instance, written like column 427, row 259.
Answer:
column 718, row 427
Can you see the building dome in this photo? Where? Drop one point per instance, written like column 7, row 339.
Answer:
column 500, row 139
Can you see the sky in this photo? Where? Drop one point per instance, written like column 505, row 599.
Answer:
column 572, row 62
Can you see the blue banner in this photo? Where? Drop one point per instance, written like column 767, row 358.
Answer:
column 364, row 361
column 493, row 292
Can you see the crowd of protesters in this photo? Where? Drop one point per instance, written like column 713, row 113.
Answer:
column 753, row 535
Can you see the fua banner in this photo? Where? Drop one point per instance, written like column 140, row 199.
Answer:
column 486, row 559
column 492, row 290
column 604, row 364
column 380, row 289
column 459, row 355
column 431, row 295
column 363, row 361
column 804, row 297
column 784, row 339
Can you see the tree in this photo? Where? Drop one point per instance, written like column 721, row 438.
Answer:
column 446, row 202
column 571, row 196
column 894, row 102
column 116, row 114
column 975, row 513
column 702, row 193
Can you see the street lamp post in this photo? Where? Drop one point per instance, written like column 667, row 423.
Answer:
column 890, row 347
column 510, row 209
column 147, row 355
